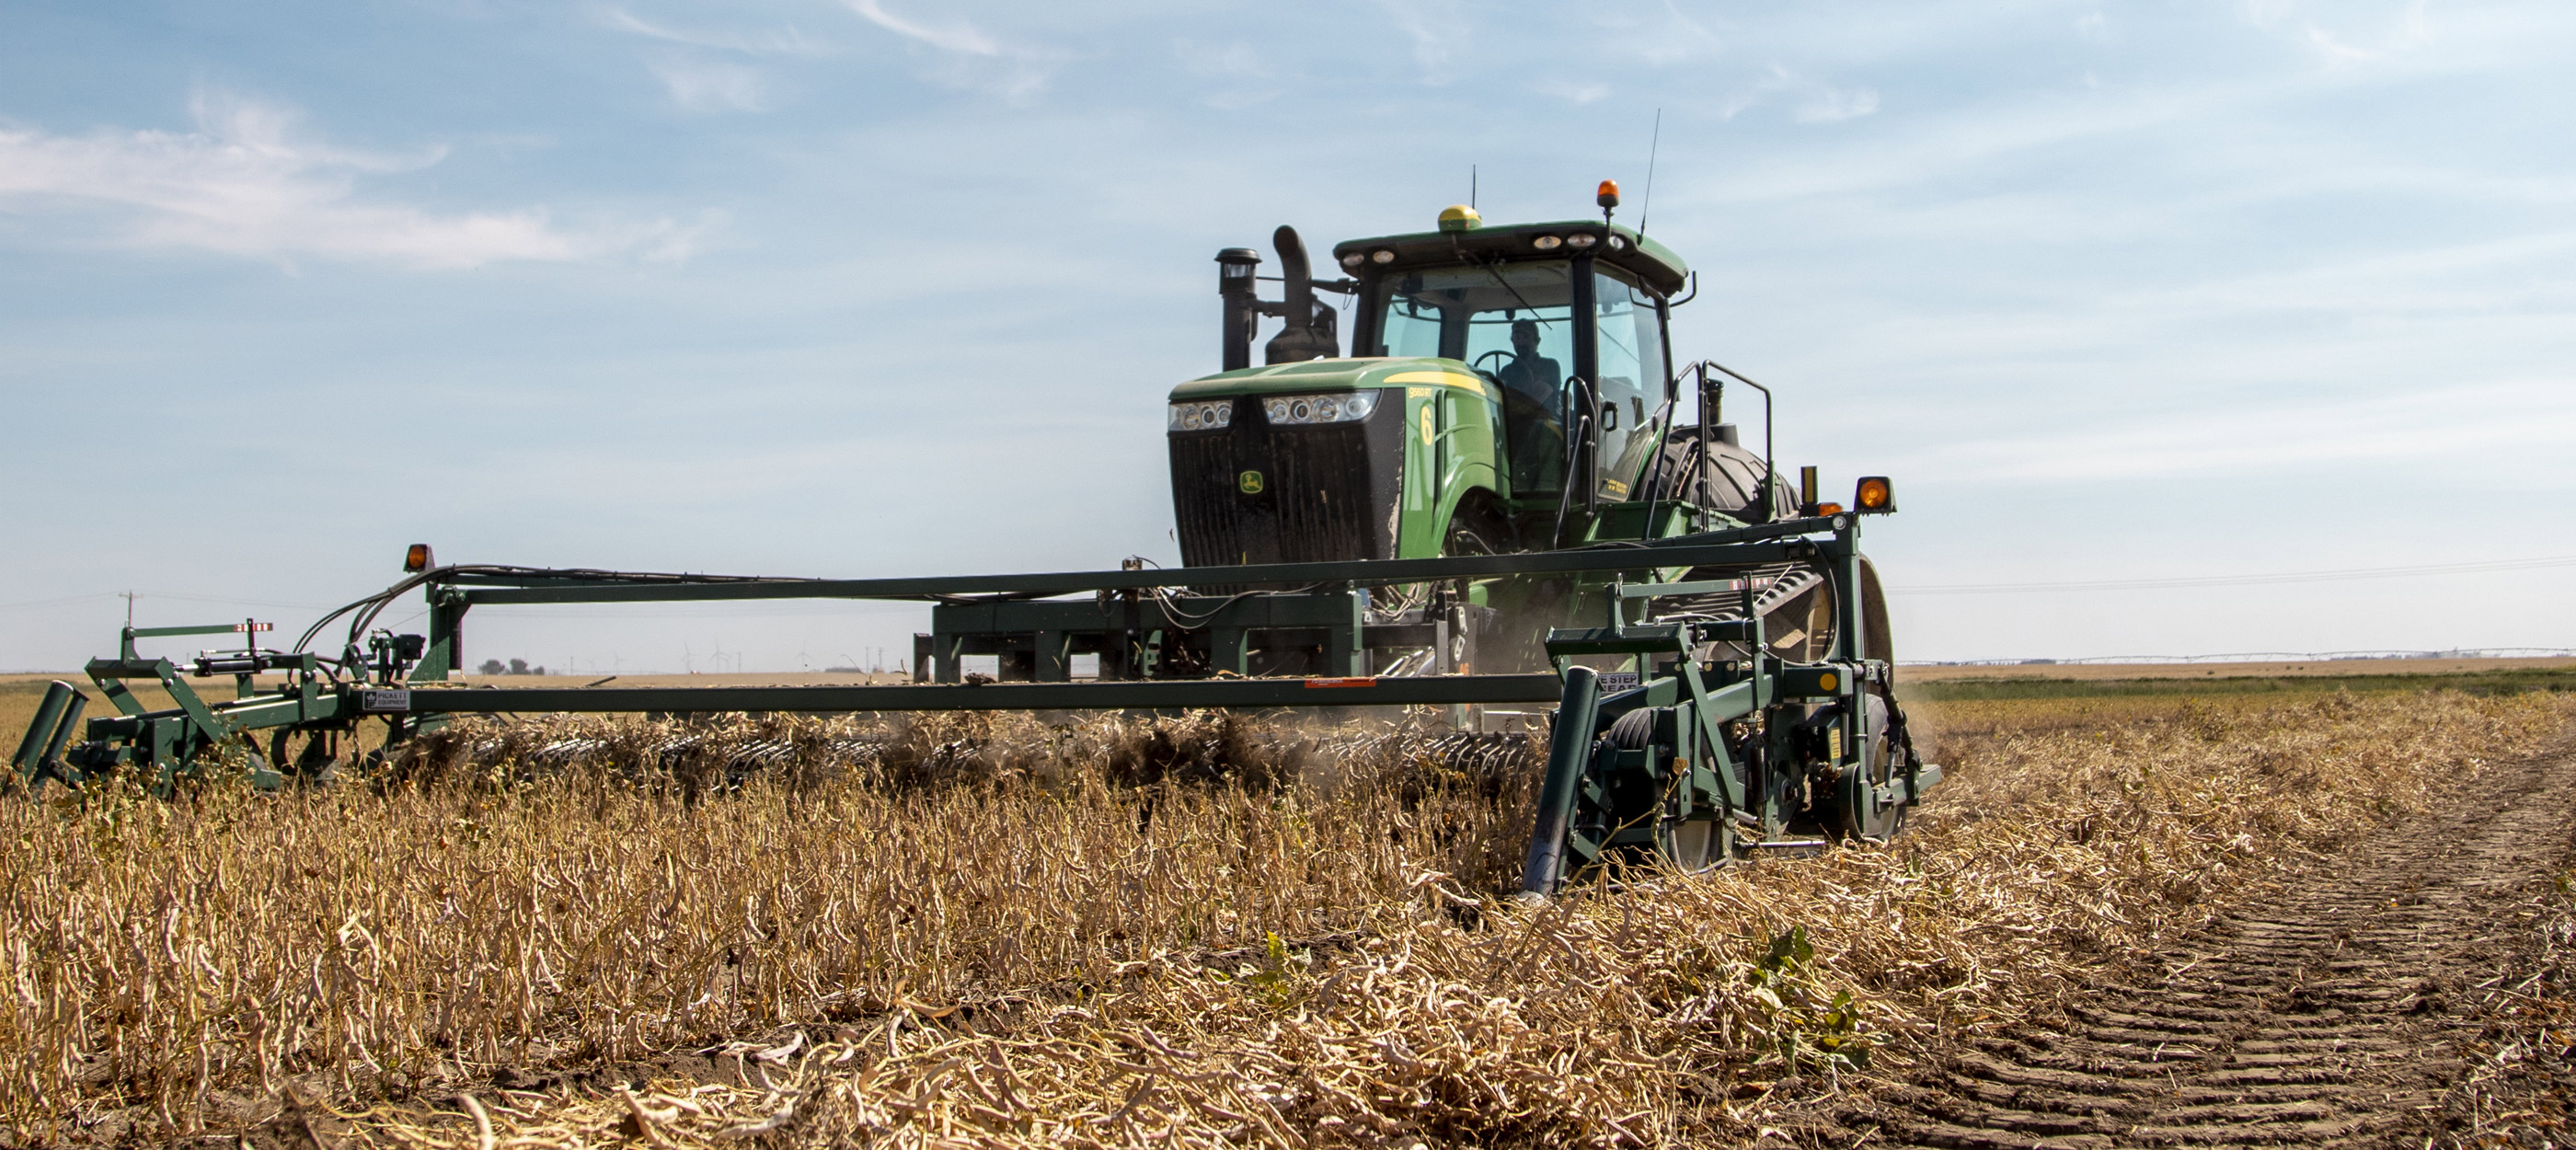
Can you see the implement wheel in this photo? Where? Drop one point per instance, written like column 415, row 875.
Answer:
column 1690, row 845
column 1861, row 817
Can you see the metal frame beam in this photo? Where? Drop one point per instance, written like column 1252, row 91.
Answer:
column 1768, row 543
column 1150, row 694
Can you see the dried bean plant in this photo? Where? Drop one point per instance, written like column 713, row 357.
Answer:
column 986, row 930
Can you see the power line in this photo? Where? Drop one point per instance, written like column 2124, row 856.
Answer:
column 58, row 602
column 2249, row 580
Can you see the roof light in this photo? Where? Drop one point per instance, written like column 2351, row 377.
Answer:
column 1460, row 218
column 1354, row 260
column 1581, row 240
column 1547, row 243
column 1382, row 256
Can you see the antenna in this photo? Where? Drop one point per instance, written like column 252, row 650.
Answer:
column 1648, row 204
column 1471, row 185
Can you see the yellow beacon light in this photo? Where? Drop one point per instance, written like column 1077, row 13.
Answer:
column 1875, row 495
column 417, row 559
column 1460, row 218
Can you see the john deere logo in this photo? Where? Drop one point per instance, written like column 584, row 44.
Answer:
column 1249, row 482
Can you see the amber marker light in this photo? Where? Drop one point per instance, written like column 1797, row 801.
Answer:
column 1608, row 196
column 417, row 559
column 1875, row 494
column 1827, row 681
column 1824, row 509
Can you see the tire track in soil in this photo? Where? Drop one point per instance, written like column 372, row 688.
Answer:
column 2319, row 1017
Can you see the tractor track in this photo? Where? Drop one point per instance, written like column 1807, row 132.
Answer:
column 2329, row 1015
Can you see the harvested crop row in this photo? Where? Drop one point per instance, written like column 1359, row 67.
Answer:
column 1197, row 932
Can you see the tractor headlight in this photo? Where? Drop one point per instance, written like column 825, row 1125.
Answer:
column 1354, row 260
column 1204, row 416
column 1546, row 243
column 1338, row 407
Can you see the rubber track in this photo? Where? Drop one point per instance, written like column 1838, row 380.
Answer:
column 2321, row 1017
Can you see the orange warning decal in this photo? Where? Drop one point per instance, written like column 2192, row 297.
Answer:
column 1367, row 682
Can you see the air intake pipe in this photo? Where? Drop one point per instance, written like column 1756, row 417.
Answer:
column 1234, row 272
column 1308, row 333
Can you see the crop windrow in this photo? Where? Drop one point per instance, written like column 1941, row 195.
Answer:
column 1205, row 931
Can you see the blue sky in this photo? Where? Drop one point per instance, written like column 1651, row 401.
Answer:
column 879, row 287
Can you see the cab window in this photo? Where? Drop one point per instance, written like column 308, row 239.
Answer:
column 1631, row 346
column 1630, row 354
column 1514, row 323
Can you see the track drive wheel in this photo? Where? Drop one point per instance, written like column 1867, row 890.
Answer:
column 1692, row 845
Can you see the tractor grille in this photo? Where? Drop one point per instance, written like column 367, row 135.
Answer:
column 1327, row 492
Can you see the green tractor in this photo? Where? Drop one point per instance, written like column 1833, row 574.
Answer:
column 1491, row 501
column 1508, row 389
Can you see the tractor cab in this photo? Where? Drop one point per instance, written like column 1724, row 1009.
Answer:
column 1501, row 384
column 1566, row 319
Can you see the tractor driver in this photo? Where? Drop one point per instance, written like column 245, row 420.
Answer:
column 1533, row 387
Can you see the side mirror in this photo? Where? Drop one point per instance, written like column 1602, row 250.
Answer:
column 1610, row 416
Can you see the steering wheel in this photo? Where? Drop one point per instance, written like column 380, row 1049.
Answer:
column 1479, row 363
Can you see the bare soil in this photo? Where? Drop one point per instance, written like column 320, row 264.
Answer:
column 2335, row 1013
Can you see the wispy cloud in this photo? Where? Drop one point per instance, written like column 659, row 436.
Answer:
column 1810, row 101
column 2253, row 440
column 964, row 56
column 702, row 85
column 1436, row 27
column 1241, row 77
column 955, row 36
column 247, row 183
column 779, row 42
column 2359, row 33
column 702, row 69
column 1572, row 92
column 1663, row 37
column 776, row 42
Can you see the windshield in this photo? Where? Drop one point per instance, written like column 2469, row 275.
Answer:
column 1515, row 324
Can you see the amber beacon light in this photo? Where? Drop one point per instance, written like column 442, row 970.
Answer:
column 1875, row 495
column 417, row 559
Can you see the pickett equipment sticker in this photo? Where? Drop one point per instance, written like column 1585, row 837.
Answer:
column 1249, row 482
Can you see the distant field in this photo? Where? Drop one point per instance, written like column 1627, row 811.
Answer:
column 2172, row 680
column 2306, row 668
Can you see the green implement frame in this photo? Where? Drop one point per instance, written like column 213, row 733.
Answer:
column 1707, row 745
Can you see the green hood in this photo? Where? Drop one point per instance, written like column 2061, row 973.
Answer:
column 1338, row 375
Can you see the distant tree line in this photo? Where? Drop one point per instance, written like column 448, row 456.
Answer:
column 514, row 667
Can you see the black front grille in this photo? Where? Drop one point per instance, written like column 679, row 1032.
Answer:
column 1327, row 492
